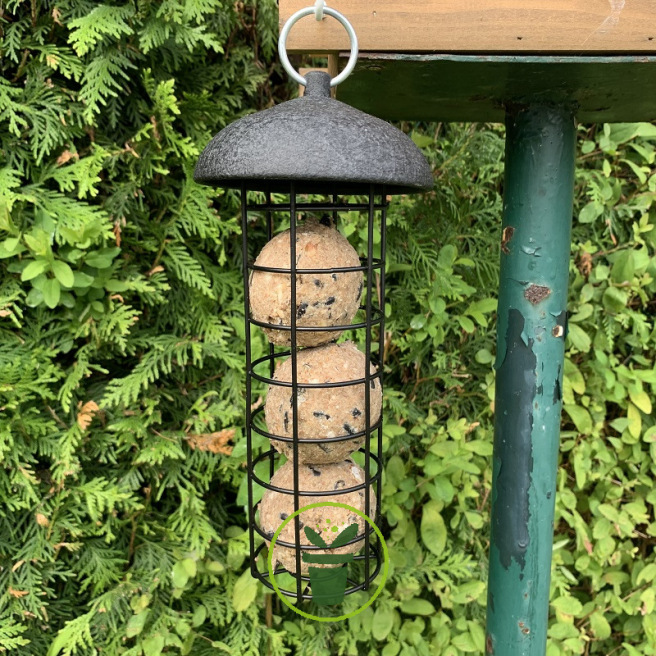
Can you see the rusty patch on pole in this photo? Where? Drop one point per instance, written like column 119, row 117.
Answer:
column 536, row 293
column 506, row 236
column 489, row 646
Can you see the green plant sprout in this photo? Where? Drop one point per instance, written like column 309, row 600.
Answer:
column 329, row 584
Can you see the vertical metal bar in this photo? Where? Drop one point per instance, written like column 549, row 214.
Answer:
column 381, row 345
column 272, row 348
column 367, row 381
column 292, row 314
column 247, row 336
column 535, row 247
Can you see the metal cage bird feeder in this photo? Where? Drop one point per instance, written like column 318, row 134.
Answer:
column 313, row 155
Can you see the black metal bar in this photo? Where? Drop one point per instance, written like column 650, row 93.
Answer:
column 367, row 378
column 325, row 272
column 294, row 354
column 315, row 207
column 247, row 336
column 308, row 440
column 381, row 344
column 315, row 493
column 286, row 383
column 272, row 348
column 322, row 329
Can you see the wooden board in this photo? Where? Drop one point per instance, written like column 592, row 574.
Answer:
column 480, row 26
column 476, row 88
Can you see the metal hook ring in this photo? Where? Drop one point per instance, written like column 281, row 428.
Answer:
column 284, row 33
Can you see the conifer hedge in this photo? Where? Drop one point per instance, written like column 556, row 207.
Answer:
column 122, row 523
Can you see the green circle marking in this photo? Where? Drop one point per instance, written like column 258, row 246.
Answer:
column 328, row 504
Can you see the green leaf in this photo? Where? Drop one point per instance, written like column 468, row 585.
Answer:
column 635, row 420
column 647, row 574
column 314, row 537
column 580, row 418
column 136, row 624
column 63, row 273
column 568, row 605
column 51, row 292
column 641, row 399
column 614, row 299
column 34, row 269
column 34, row 298
column 382, row 621
column 578, row 338
column 590, row 212
column 200, row 615
column 179, row 575
column 422, row 140
column 244, row 592
column 345, row 536
column 81, row 280
column 417, row 606
column 154, row 645
column 600, row 626
column 433, row 529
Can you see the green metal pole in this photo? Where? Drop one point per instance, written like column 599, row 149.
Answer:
column 535, row 247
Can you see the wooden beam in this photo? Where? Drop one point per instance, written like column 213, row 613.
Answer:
column 483, row 26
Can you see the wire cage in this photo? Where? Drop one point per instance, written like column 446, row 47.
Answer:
column 314, row 156
column 371, row 323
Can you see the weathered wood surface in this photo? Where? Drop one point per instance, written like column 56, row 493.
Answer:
column 480, row 26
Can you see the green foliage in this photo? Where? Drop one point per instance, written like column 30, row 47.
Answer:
column 121, row 361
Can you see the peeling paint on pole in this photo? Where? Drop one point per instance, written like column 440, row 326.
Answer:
column 535, row 246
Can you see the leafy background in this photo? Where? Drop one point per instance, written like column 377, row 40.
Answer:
column 121, row 376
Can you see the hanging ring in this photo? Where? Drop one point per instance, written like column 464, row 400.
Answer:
column 317, row 10
column 319, row 6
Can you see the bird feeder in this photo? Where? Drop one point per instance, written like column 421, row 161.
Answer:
column 317, row 158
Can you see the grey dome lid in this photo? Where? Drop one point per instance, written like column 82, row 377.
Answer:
column 323, row 145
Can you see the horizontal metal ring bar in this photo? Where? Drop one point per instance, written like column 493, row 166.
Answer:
column 284, row 383
column 319, row 272
column 317, row 329
column 317, row 207
column 312, row 547
column 284, row 354
column 369, row 479
column 314, row 440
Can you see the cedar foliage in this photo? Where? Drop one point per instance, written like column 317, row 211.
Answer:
column 121, row 361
